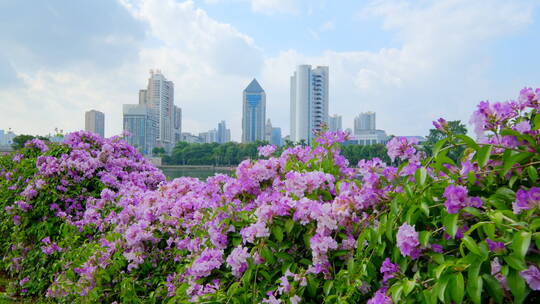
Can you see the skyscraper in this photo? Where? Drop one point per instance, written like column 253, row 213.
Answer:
column 253, row 113
column 223, row 134
column 309, row 101
column 94, row 121
column 177, row 125
column 365, row 130
column 334, row 123
column 268, row 131
column 276, row 137
column 141, row 123
column 159, row 98
column 364, row 121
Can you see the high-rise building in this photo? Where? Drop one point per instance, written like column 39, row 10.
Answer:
column 268, row 131
column 158, row 97
column 94, row 121
column 334, row 123
column 253, row 112
column 276, row 137
column 223, row 134
column 309, row 101
column 365, row 130
column 177, row 125
column 141, row 123
column 364, row 121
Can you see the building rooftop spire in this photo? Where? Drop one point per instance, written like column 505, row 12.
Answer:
column 254, row 87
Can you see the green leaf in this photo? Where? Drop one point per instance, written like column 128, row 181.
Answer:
column 420, row 176
column 474, row 288
column 515, row 262
column 289, row 225
column 471, row 244
column 536, row 122
column 474, row 282
column 533, row 173
column 517, row 286
column 494, row 287
column 457, row 287
column 450, row 223
column 396, row 291
column 468, row 141
column 437, row 147
column 514, row 159
column 521, row 243
column 313, row 284
column 440, row 288
column 483, row 155
column 424, row 238
column 328, row 287
column 408, row 287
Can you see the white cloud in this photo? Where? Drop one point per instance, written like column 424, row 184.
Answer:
column 275, row 6
column 438, row 70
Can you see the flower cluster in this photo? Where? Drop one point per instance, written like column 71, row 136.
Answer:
column 96, row 222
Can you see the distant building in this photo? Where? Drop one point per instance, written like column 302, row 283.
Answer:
column 364, row 121
column 334, row 123
column 365, row 131
column 309, row 101
column 190, row 138
column 177, row 124
column 159, row 97
column 276, row 137
column 94, row 121
column 371, row 137
column 268, row 131
column 223, row 134
column 253, row 112
column 141, row 123
column 6, row 138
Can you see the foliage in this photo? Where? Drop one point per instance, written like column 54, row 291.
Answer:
column 299, row 227
column 232, row 153
column 20, row 140
column 442, row 128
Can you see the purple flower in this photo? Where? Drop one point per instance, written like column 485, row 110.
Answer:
column 526, row 200
column 267, row 150
column 495, row 246
column 388, row 269
column 24, row 206
column 401, row 147
column 437, row 248
column 209, row 260
column 380, row 297
column 532, row 277
column 407, row 241
column 237, row 260
column 24, row 281
column 457, row 198
column 441, row 124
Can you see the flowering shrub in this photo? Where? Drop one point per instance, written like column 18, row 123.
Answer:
column 300, row 227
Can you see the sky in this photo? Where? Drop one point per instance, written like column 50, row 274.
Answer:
column 409, row 61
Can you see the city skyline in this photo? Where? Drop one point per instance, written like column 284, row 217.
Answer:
column 383, row 58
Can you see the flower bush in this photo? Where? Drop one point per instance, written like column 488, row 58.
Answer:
column 90, row 221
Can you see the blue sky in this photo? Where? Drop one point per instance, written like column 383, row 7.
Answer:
column 410, row 61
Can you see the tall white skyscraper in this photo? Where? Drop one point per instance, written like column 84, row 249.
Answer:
column 309, row 101
column 94, row 121
column 334, row 123
column 364, row 121
column 253, row 112
column 159, row 97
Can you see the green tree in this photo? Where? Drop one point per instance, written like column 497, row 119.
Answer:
column 455, row 127
column 20, row 140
